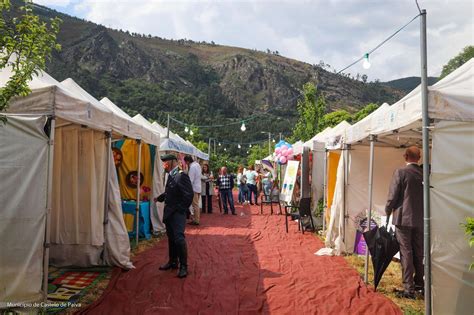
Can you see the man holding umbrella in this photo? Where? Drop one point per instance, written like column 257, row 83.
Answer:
column 405, row 200
column 178, row 196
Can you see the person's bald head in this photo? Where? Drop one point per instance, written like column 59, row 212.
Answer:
column 223, row 170
column 412, row 154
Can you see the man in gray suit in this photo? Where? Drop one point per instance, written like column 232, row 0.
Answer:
column 405, row 200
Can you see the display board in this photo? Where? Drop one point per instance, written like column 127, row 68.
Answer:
column 289, row 181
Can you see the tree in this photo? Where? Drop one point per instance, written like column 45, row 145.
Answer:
column 334, row 118
column 257, row 152
column 363, row 112
column 26, row 43
column 466, row 54
column 311, row 109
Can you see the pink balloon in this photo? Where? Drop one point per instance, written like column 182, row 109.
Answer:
column 277, row 150
column 283, row 152
column 289, row 151
column 284, row 147
column 283, row 159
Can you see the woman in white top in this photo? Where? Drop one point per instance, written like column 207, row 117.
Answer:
column 252, row 177
column 207, row 189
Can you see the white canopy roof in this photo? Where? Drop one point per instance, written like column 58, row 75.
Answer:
column 334, row 137
column 362, row 128
column 174, row 142
column 151, row 136
column 317, row 137
column 452, row 98
column 122, row 122
column 298, row 147
column 49, row 97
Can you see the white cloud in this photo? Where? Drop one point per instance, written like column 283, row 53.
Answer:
column 336, row 31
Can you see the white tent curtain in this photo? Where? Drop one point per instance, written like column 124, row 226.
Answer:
column 23, row 195
column 452, row 200
column 117, row 244
column 157, row 208
column 77, row 233
column 317, row 176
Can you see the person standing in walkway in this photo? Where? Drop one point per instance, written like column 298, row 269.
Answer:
column 177, row 197
column 252, row 176
column 405, row 201
column 194, row 172
column 225, row 182
column 242, row 185
column 207, row 189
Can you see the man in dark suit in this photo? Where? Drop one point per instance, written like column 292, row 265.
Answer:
column 178, row 196
column 405, row 200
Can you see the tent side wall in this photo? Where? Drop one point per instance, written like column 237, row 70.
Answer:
column 77, row 231
column 23, row 196
column 452, row 200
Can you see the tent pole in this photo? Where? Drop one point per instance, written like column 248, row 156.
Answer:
column 48, row 208
column 325, row 201
column 426, row 164
column 108, row 135
column 372, row 139
column 137, row 212
column 345, row 148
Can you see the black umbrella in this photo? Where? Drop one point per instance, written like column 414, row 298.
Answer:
column 382, row 246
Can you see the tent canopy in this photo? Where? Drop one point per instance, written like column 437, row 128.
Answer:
column 152, row 136
column 174, row 142
column 318, row 137
column 334, row 138
column 123, row 123
column 49, row 97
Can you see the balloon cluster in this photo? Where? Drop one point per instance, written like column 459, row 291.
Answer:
column 283, row 152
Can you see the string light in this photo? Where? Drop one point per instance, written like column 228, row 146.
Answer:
column 225, row 149
column 238, row 146
column 219, row 144
column 250, row 145
column 186, row 129
column 191, row 132
column 243, row 128
column 366, row 63
column 273, row 140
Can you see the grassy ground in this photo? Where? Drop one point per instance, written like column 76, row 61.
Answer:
column 391, row 280
column 95, row 292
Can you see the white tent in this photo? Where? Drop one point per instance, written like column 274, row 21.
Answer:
column 298, row 147
column 318, row 137
column 77, row 145
column 451, row 106
column 174, row 142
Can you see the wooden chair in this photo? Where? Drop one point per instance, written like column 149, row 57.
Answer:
column 304, row 210
column 269, row 199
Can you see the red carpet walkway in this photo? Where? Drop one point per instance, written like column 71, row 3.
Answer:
column 242, row 265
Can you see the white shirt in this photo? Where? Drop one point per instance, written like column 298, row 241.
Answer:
column 195, row 176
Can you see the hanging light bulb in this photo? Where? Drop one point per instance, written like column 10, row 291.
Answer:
column 273, row 140
column 191, row 132
column 239, row 146
column 186, row 129
column 225, row 149
column 250, row 145
column 219, row 144
column 243, row 128
column 247, row 152
column 366, row 63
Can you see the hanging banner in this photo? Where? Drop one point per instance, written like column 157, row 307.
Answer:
column 290, row 179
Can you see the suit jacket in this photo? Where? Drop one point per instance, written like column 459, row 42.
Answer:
column 178, row 194
column 405, row 197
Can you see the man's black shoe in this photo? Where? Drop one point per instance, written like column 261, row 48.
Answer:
column 168, row 266
column 183, row 271
column 405, row 295
column 233, row 213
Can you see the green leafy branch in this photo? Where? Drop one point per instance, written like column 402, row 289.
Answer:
column 469, row 230
column 26, row 43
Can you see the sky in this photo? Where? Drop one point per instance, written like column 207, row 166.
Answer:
column 337, row 32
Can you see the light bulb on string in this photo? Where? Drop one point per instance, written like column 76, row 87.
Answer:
column 238, row 146
column 250, row 145
column 191, row 132
column 243, row 128
column 247, row 152
column 273, row 140
column 186, row 129
column 225, row 149
column 366, row 63
column 219, row 144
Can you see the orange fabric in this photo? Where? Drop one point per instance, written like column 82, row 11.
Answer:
column 333, row 161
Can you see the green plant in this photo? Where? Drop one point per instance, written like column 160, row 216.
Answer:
column 25, row 44
column 469, row 230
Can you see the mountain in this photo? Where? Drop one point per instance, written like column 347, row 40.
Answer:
column 408, row 84
column 196, row 82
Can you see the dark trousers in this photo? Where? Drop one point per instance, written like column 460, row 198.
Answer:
column 175, row 225
column 227, row 197
column 411, row 255
column 252, row 189
column 206, row 203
